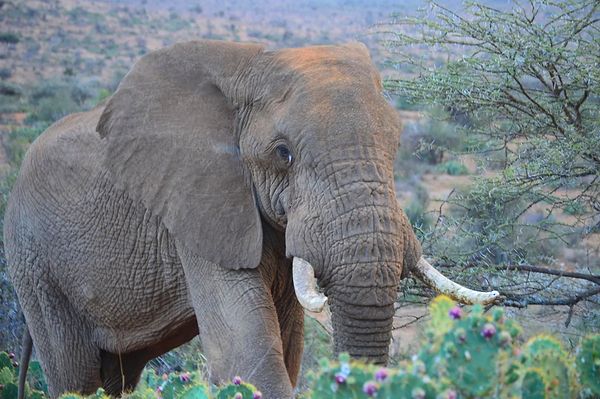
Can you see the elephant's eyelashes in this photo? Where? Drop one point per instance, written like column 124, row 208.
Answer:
column 284, row 153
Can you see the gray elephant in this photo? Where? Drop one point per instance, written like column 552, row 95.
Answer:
column 217, row 177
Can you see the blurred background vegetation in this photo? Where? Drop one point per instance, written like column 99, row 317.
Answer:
column 498, row 169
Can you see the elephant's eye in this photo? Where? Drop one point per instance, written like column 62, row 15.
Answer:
column 284, row 153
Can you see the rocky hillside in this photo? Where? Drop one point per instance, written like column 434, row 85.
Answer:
column 43, row 39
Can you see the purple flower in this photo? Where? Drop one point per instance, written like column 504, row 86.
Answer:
column 11, row 355
column 455, row 313
column 370, row 388
column 185, row 377
column 340, row 378
column 381, row 374
column 488, row 331
column 451, row 394
column 237, row 380
column 238, row 395
column 257, row 395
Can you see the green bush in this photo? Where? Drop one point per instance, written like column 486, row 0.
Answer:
column 18, row 142
column 416, row 206
column 503, row 69
column 468, row 354
column 429, row 139
column 453, row 168
column 9, row 37
column 465, row 353
column 182, row 385
column 9, row 374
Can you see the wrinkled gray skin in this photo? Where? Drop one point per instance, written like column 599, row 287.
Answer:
column 170, row 211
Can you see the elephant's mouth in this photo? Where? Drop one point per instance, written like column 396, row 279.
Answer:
column 311, row 299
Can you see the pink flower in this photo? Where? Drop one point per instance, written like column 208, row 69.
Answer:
column 237, row 380
column 185, row 377
column 370, row 388
column 340, row 378
column 455, row 313
column 381, row 374
column 257, row 395
column 488, row 331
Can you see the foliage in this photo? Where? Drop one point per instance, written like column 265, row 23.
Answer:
column 546, row 355
column 53, row 99
column 588, row 363
column 453, row 168
column 35, row 387
column 523, row 82
column 9, row 37
column 416, row 208
column 431, row 138
column 184, row 385
column 467, row 354
column 317, row 345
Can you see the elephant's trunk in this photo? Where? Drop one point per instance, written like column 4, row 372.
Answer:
column 364, row 331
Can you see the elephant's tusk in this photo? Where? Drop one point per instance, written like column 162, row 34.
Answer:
column 436, row 280
column 305, row 286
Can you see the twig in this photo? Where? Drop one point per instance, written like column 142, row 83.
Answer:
column 569, row 301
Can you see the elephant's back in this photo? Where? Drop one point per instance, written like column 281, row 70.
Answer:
column 54, row 173
column 67, row 152
column 90, row 238
column 51, row 173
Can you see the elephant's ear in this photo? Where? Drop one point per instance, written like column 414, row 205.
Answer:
column 171, row 144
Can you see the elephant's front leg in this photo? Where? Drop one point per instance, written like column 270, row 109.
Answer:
column 238, row 326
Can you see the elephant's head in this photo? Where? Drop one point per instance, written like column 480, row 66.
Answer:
column 217, row 138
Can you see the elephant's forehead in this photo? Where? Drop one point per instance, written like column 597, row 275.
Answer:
column 343, row 117
column 330, row 65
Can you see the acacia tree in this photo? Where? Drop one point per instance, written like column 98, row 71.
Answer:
column 525, row 82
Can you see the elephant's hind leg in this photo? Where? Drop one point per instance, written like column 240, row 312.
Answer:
column 62, row 339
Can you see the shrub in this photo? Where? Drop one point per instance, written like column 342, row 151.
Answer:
column 467, row 354
column 525, row 89
column 453, row 168
column 35, row 387
column 431, row 138
column 416, row 209
column 18, row 142
column 9, row 37
column 5, row 73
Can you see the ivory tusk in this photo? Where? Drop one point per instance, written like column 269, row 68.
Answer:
column 436, row 280
column 305, row 286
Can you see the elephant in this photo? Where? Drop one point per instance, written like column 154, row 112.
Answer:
column 220, row 188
